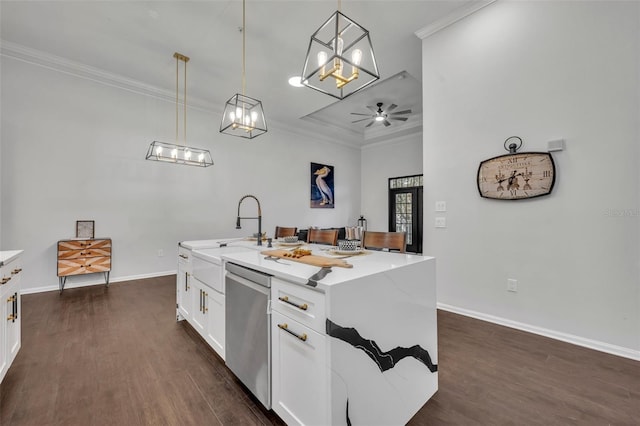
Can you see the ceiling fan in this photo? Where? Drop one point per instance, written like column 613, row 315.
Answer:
column 380, row 115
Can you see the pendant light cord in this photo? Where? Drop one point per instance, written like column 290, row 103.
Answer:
column 244, row 32
column 184, row 117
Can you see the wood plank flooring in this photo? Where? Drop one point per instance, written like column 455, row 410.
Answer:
column 116, row 356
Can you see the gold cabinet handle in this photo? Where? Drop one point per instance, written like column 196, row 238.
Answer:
column 205, row 302
column 5, row 280
column 11, row 317
column 285, row 327
column 183, row 256
column 285, row 299
column 11, row 299
column 16, row 271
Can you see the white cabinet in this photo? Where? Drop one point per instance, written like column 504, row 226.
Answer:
column 184, row 290
column 299, row 355
column 215, row 321
column 11, row 313
column 208, row 318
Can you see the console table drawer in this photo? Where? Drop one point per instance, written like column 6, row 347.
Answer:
column 84, row 244
column 74, row 254
column 90, row 265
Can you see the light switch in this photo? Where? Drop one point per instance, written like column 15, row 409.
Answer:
column 441, row 206
column 441, row 222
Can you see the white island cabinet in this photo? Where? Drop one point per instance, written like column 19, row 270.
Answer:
column 10, row 308
column 357, row 346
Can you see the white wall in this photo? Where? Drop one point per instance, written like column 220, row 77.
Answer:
column 393, row 158
column 74, row 149
column 542, row 71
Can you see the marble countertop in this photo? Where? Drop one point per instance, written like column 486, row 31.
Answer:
column 247, row 253
column 8, row 255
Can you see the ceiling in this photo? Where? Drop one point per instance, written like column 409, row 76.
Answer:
column 136, row 40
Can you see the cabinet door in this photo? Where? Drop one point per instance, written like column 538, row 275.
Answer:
column 215, row 321
column 300, row 384
column 13, row 325
column 185, row 294
column 198, row 317
column 5, row 311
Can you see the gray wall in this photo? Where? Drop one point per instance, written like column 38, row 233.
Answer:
column 73, row 148
column 542, row 71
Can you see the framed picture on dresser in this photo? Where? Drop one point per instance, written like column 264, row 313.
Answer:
column 85, row 228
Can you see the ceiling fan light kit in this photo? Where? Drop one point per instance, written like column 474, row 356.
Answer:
column 176, row 153
column 340, row 60
column 243, row 116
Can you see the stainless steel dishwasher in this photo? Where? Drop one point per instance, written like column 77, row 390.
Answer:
column 248, row 329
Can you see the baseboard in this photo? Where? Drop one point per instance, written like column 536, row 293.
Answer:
column 97, row 281
column 569, row 338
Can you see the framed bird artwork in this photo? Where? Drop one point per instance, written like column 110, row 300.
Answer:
column 322, row 195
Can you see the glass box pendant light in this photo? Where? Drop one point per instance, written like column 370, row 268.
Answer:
column 177, row 153
column 340, row 59
column 243, row 116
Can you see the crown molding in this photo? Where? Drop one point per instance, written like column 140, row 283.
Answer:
column 455, row 16
column 56, row 63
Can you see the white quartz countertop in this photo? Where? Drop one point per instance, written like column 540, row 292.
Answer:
column 247, row 253
column 8, row 255
column 371, row 262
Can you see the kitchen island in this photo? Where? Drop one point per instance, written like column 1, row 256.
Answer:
column 351, row 345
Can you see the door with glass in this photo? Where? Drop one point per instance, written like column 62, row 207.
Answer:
column 405, row 209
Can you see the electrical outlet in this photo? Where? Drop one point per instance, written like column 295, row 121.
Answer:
column 160, row 252
column 441, row 222
column 512, row 285
column 441, row 206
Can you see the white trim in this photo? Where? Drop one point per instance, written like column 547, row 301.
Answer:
column 557, row 335
column 69, row 284
column 457, row 15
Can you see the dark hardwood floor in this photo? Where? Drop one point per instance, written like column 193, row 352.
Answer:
column 116, row 356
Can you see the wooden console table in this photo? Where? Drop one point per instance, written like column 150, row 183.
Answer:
column 83, row 256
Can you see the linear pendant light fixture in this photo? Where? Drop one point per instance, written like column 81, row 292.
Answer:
column 340, row 59
column 177, row 153
column 243, row 116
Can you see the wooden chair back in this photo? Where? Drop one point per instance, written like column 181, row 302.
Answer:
column 282, row 231
column 385, row 240
column 323, row 236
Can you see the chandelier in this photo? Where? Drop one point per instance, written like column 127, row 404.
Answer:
column 243, row 116
column 177, row 153
column 340, row 59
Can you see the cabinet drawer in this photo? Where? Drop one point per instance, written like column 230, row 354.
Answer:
column 302, row 304
column 83, row 244
column 83, row 266
column 10, row 273
column 91, row 252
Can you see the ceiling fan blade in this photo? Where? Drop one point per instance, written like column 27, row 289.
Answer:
column 386, row 123
column 359, row 113
column 362, row 119
column 398, row 118
column 391, row 108
column 406, row 111
column 373, row 108
column 369, row 125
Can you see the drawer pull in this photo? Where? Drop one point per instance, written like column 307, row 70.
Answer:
column 285, row 299
column 285, row 327
column 183, row 256
column 11, row 299
column 16, row 271
column 11, row 317
column 5, row 280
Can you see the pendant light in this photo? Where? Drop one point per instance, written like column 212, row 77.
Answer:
column 243, row 116
column 177, row 153
column 340, row 59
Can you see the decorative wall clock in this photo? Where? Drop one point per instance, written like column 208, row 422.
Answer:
column 516, row 176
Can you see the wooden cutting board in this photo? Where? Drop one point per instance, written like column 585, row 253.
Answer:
column 311, row 259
